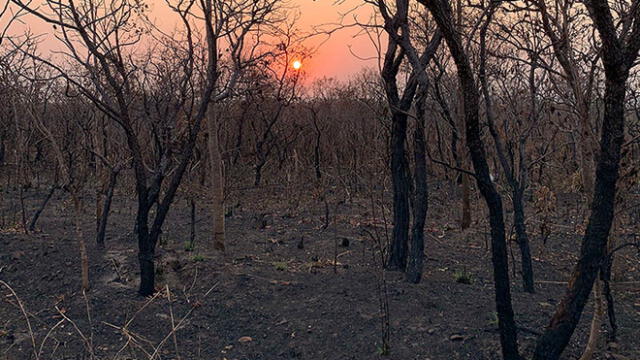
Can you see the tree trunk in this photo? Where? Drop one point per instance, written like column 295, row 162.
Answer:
column 101, row 172
column 2, row 151
column 420, row 203
column 147, row 273
column 465, row 220
column 217, row 185
column 316, row 153
column 147, row 265
column 84, row 257
column 401, row 188
column 594, row 244
column 23, row 210
column 106, row 208
column 258, row 173
column 146, row 248
column 523, row 241
column 462, row 180
column 192, row 222
column 441, row 11
column 36, row 215
column 517, row 183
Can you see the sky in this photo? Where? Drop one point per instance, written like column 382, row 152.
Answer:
column 344, row 53
column 340, row 56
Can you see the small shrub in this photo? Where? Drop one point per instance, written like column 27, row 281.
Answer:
column 384, row 350
column 163, row 241
column 189, row 246
column 280, row 266
column 493, row 318
column 463, row 277
column 198, row 258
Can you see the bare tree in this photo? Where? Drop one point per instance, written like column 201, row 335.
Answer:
column 516, row 177
column 564, row 24
column 106, row 32
column 620, row 46
column 242, row 24
column 43, row 102
column 442, row 14
column 398, row 29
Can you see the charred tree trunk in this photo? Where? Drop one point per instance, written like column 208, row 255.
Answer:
column 23, row 210
column 192, row 222
column 517, row 183
column 100, row 171
column 523, row 241
column 2, row 151
column 462, row 179
column 399, row 46
column 420, row 202
column 258, row 172
column 465, row 220
column 316, row 150
column 146, row 251
column 441, row 11
column 617, row 59
column 216, row 167
column 106, row 208
column 401, row 191
column 84, row 257
column 36, row 215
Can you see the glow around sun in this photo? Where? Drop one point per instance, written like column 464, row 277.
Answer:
column 296, row 64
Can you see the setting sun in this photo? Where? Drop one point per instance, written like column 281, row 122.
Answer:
column 297, row 65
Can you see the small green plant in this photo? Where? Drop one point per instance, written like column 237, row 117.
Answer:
column 384, row 350
column 198, row 258
column 463, row 277
column 493, row 318
column 163, row 241
column 280, row 266
column 189, row 246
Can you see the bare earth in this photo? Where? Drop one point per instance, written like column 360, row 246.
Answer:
column 270, row 298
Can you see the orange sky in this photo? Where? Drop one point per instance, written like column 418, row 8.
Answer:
column 333, row 57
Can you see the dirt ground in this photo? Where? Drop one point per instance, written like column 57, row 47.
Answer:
column 276, row 297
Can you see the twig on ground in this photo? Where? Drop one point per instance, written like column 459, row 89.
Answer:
column 26, row 317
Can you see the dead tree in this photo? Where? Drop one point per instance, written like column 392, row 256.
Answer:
column 276, row 88
column 442, row 14
column 569, row 36
column 399, row 48
column 619, row 54
column 516, row 178
column 47, row 110
column 398, row 29
column 106, row 33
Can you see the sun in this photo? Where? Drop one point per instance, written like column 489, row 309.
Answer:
column 296, row 64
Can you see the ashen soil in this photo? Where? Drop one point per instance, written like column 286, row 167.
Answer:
column 275, row 296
